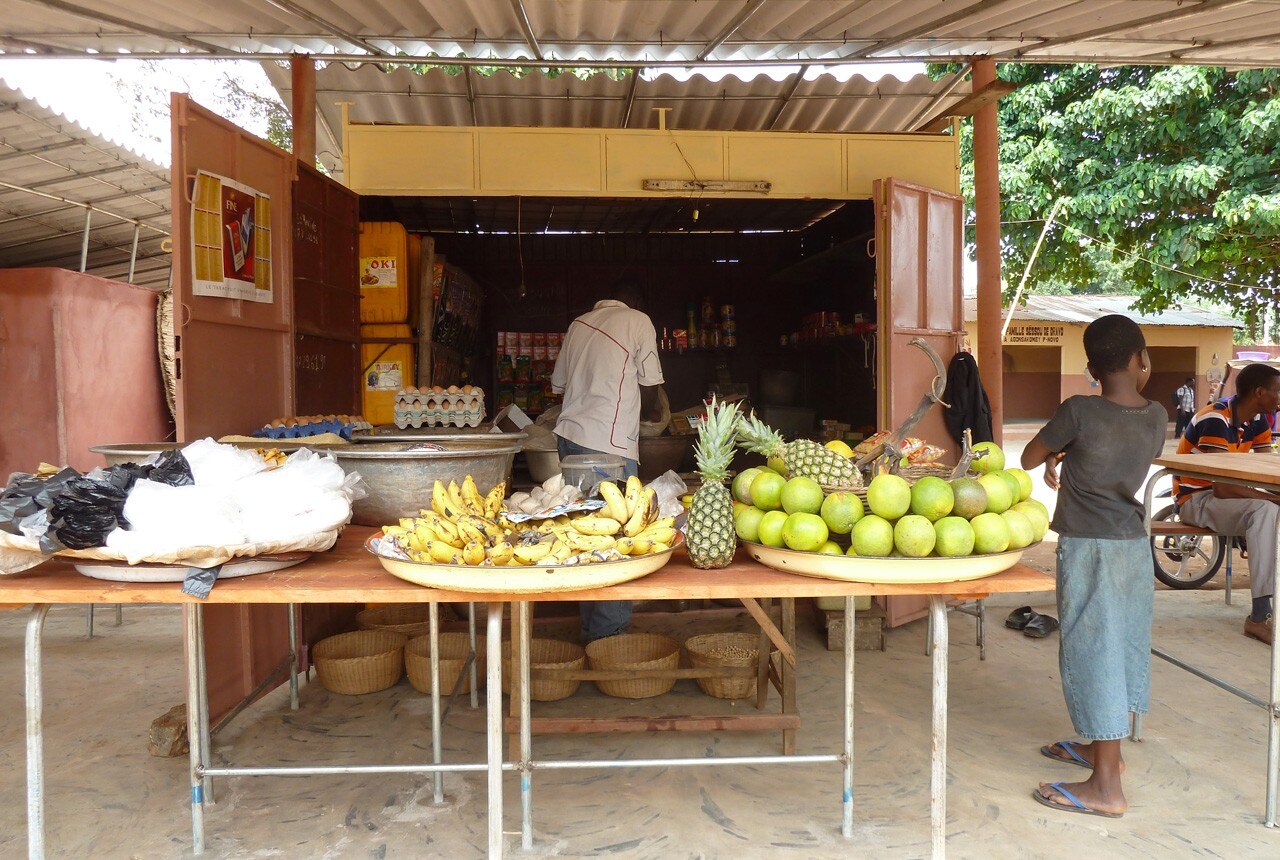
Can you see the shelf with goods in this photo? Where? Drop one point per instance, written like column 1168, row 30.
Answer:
column 456, row 324
column 522, row 367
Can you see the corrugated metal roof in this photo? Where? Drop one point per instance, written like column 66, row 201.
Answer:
column 1217, row 32
column 48, row 165
column 1086, row 309
column 818, row 101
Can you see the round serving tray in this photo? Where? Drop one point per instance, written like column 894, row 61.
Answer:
column 522, row 580
column 888, row 571
column 119, row 571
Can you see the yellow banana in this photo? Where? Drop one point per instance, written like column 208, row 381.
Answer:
column 442, row 553
column 473, row 553
column 471, row 496
column 660, row 535
column 500, row 553
column 411, row 543
column 632, row 496
column 440, row 499
column 661, row 547
column 615, row 501
column 640, row 517
column 587, row 543
column 652, row 509
column 590, row 525
column 493, row 501
column 560, row 550
column 394, row 531
column 532, row 553
column 626, row 546
column 422, row 534
column 664, row 523
column 456, row 501
column 408, row 523
column 471, row 532
column 640, row 545
column 419, row 556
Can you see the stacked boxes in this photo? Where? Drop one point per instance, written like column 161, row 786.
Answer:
column 439, row 407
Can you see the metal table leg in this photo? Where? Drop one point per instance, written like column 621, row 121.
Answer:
column 938, row 782
column 524, row 612
column 89, row 623
column 493, row 727
column 202, row 689
column 293, row 656
column 35, row 733
column 433, row 618
column 1273, row 736
column 846, row 764
column 475, row 656
column 119, row 614
column 191, row 628
column 982, row 629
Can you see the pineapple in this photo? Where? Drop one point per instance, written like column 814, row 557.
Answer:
column 802, row 457
column 710, row 533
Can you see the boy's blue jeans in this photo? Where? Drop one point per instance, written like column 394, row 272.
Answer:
column 1105, row 601
column 604, row 617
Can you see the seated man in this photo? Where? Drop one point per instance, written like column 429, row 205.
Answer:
column 1237, row 425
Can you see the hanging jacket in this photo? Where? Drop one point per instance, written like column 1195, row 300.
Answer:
column 967, row 404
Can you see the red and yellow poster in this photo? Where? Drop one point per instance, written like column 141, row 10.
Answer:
column 230, row 239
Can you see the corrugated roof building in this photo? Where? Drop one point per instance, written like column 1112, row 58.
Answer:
column 1045, row 362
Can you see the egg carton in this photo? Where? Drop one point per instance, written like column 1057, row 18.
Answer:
column 298, row 427
column 405, row 418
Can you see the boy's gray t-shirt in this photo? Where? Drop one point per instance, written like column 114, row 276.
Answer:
column 1109, row 451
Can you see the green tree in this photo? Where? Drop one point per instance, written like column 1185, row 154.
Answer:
column 1172, row 174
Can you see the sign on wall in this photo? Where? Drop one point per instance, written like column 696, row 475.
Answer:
column 1034, row 334
column 230, row 239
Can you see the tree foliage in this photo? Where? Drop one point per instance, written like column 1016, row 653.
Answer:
column 1171, row 173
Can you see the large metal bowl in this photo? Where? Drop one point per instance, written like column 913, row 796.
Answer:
column 136, row 452
column 399, row 479
column 478, row 435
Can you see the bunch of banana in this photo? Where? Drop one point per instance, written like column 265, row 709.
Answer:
column 628, row 525
column 461, row 527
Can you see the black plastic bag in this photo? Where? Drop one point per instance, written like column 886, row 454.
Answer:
column 89, row 508
column 26, row 496
column 171, row 468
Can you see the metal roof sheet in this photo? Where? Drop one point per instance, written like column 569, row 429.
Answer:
column 49, row 168
column 1086, row 309
column 817, row 101
column 1217, row 32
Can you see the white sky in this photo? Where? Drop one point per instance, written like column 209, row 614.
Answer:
column 127, row 101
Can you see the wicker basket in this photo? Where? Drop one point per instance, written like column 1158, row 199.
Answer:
column 702, row 651
column 363, row 661
column 628, row 651
column 453, row 656
column 925, row 470
column 410, row 619
column 546, row 654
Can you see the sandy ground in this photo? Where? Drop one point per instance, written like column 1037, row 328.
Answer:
column 1195, row 784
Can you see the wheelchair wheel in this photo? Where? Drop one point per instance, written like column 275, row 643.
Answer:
column 1185, row 561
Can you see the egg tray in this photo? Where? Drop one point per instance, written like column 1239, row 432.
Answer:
column 417, row 418
column 297, row 430
column 468, row 399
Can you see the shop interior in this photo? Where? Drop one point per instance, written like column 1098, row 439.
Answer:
column 798, row 277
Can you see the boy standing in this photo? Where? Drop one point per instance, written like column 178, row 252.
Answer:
column 1105, row 593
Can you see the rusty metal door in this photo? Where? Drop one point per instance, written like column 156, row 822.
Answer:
column 235, row 362
column 918, row 264
column 326, row 295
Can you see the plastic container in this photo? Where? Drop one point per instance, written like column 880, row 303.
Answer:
column 1250, row 355
column 386, row 368
column 384, row 273
column 586, row 471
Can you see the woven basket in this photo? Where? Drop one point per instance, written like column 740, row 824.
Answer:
column 925, row 470
column 363, row 661
column 635, row 651
column 860, row 492
column 702, row 654
column 410, row 619
column 453, row 656
column 546, row 654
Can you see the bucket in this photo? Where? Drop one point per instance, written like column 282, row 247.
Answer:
column 384, row 274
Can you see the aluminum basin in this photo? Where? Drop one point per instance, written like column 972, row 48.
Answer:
column 399, row 479
column 136, row 452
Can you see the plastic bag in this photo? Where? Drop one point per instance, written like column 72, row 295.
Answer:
column 669, row 487
column 88, row 508
column 213, row 464
column 657, row 428
column 25, row 505
column 171, row 468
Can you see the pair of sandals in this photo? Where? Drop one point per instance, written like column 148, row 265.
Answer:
column 1031, row 623
column 1074, row 803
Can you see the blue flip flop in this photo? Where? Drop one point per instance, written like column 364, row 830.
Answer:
column 1069, row 747
column 1076, row 804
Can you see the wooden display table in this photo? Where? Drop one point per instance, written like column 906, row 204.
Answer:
column 348, row 574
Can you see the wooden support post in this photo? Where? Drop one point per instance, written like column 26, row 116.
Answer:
column 762, row 671
column 302, row 107
column 986, row 184
column 789, row 675
column 766, row 624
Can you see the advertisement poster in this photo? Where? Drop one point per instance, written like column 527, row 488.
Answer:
column 379, row 272
column 231, row 240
